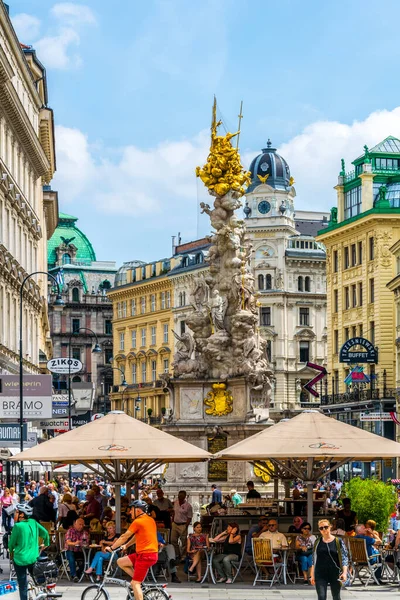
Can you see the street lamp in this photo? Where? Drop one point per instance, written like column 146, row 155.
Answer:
column 122, row 384
column 58, row 302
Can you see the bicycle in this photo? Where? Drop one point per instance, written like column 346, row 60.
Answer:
column 99, row 591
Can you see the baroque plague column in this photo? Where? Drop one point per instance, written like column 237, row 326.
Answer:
column 220, row 390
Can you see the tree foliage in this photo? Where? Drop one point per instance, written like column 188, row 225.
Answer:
column 371, row 499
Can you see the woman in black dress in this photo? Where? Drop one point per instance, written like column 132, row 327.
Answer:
column 331, row 562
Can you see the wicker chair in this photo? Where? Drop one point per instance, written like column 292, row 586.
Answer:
column 264, row 562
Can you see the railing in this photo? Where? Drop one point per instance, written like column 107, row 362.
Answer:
column 357, row 396
column 349, row 176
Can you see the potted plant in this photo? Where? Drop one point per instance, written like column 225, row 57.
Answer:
column 149, row 413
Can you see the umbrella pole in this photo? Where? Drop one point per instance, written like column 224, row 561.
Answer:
column 118, row 508
column 310, row 486
column 136, row 489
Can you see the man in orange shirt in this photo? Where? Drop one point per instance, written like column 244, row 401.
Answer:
column 144, row 529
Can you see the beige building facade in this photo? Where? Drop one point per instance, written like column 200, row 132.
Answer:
column 28, row 215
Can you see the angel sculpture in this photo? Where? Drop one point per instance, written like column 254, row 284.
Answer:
column 185, row 346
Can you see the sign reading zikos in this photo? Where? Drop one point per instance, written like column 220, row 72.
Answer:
column 64, row 366
column 37, row 395
column 369, row 354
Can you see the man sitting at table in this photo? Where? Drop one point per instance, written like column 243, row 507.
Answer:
column 278, row 540
column 370, row 541
column 75, row 538
column 254, row 532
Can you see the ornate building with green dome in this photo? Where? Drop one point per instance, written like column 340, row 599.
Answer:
column 85, row 281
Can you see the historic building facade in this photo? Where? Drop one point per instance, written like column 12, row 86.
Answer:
column 143, row 340
column 28, row 216
column 85, row 282
column 289, row 269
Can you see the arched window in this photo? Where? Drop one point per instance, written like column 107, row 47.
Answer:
column 105, row 285
column 268, row 282
column 66, row 259
column 300, row 283
column 261, row 282
column 185, row 261
column 307, row 284
column 75, row 294
column 76, row 379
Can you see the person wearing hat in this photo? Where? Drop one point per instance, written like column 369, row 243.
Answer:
column 144, row 530
column 24, row 545
column 92, row 508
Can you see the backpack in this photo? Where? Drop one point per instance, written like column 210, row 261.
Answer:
column 69, row 519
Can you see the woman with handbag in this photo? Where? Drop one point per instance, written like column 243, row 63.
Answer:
column 304, row 550
column 330, row 562
column 7, row 510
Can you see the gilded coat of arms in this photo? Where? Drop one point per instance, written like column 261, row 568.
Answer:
column 219, row 400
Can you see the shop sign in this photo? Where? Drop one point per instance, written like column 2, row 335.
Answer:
column 10, row 432
column 31, row 440
column 37, row 397
column 78, row 420
column 369, row 355
column 64, row 366
column 53, row 424
column 377, row 416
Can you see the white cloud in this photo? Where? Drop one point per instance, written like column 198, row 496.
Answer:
column 73, row 14
column 59, row 48
column 27, row 27
column 314, row 155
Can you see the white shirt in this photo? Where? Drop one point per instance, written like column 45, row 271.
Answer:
column 182, row 512
column 277, row 538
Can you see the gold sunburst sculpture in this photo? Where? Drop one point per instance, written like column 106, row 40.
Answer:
column 263, row 474
column 223, row 170
column 263, row 178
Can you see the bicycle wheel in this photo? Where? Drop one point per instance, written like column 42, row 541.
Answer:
column 155, row 593
column 94, row 592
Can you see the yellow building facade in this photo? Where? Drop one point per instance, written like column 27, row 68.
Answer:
column 142, row 337
column 358, row 241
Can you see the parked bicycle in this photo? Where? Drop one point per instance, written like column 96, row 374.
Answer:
column 99, row 591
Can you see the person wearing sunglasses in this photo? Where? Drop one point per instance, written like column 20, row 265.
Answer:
column 330, row 562
column 304, row 550
column 278, row 540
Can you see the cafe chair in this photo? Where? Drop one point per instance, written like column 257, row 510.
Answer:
column 245, row 561
column 266, row 563
column 362, row 565
column 64, row 566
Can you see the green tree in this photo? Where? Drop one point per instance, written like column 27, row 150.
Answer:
column 371, row 499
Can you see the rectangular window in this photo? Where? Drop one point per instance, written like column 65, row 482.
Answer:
column 122, row 341
column 153, row 370
column 123, row 308
column 336, row 342
column 76, row 352
column 335, row 261
column 354, row 295
column 346, row 258
column 134, row 374
column 360, row 294
column 360, row 256
column 335, row 382
column 133, row 338
column 166, row 335
column 182, row 325
column 353, row 255
column 335, row 301
column 143, row 304
column 304, row 351
column 119, row 310
column 153, row 336
column 352, row 202
column 108, row 354
column 361, row 330
column 346, row 298
column 144, row 372
column 371, row 248
column 354, row 331
column 166, row 365
column 108, row 327
column 133, row 307
column 265, row 316
column 168, row 299
column 372, row 290
column 268, row 350
column 162, row 300
column 143, row 333
column 346, row 334
column 76, row 325
column 153, row 302
column 371, row 335
column 304, row 316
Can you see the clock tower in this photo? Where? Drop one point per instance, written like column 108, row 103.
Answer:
column 289, row 271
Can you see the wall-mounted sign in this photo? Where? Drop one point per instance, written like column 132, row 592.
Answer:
column 369, row 354
column 9, row 432
column 371, row 417
column 53, row 424
column 31, row 440
column 64, row 366
column 217, row 469
column 37, row 395
column 78, row 420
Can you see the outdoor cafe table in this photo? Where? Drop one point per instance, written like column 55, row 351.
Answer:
column 392, row 576
column 209, row 553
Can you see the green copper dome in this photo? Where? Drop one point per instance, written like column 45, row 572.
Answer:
column 68, row 233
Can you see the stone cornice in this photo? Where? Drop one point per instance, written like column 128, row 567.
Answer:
column 131, row 291
column 12, row 272
column 15, row 357
column 11, row 105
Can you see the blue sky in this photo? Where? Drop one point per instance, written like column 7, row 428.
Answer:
column 131, row 84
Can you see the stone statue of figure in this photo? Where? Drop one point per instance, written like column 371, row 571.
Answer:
column 298, row 389
column 279, row 279
column 185, row 346
column 199, row 293
column 218, row 306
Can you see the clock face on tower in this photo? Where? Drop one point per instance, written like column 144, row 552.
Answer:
column 264, row 207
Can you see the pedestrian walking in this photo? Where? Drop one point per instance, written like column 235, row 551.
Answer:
column 330, row 562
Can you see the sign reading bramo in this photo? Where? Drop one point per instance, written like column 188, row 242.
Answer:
column 37, row 394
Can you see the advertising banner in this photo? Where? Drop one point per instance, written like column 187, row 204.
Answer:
column 37, row 395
